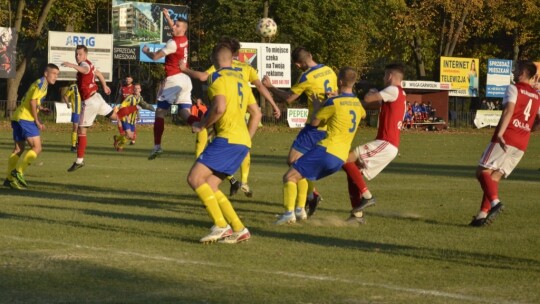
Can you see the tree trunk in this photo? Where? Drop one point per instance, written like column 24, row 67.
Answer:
column 455, row 38
column 419, row 58
column 515, row 49
column 13, row 84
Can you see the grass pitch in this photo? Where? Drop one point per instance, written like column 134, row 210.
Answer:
column 124, row 229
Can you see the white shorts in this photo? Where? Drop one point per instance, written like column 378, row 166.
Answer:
column 375, row 156
column 495, row 158
column 93, row 106
column 176, row 89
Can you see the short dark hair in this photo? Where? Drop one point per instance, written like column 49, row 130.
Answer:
column 396, row 67
column 300, row 54
column 181, row 19
column 52, row 66
column 234, row 44
column 218, row 49
column 347, row 75
column 528, row 66
column 82, row 47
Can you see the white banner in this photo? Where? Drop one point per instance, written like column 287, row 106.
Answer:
column 62, row 47
column 426, row 85
column 63, row 113
column 486, row 118
column 271, row 59
column 297, row 117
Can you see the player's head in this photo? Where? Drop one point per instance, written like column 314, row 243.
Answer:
column 222, row 55
column 301, row 58
column 393, row 74
column 81, row 53
column 137, row 88
column 51, row 73
column 233, row 43
column 347, row 77
column 525, row 70
column 129, row 80
column 180, row 27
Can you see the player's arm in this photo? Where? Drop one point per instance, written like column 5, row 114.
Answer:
column 65, row 97
column 372, row 100
column 143, row 104
column 323, row 112
column 106, row 88
column 536, row 125
column 266, row 94
column 202, row 76
column 280, row 95
column 84, row 69
column 506, row 117
column 168, row 18
column 34, row 110
column 255, row 116
column 153, row 55
column 219, row 105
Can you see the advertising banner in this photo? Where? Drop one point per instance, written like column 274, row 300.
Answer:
column 486, row 118
column 8, row 51
column 499, row 75
column 425, row 85
column 297, row 117
column 136, row 24
column 462, row 74
column 63, row 113
column 271, row 59
column 62, row 47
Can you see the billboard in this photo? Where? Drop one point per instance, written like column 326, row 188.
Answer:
column 136, row 24
column 462, row 74
column 62, row 47
column 499, row 76
column 8, row 51
column 270, row 59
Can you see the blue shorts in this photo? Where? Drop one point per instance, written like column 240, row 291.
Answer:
column 222, row 157
column 75, row 118
column 127, row 126
column 317, row 163
column 307, row 139
column 24, row 129
column 165, row 105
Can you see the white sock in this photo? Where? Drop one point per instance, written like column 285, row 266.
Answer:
column 79, row 160
column 367, row 195
column 495, row 202
column 481, row 215
column 157, row 147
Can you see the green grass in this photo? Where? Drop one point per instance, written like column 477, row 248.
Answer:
column 125, row 230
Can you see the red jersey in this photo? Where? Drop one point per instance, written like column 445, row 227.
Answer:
column 176, row 50
column 127, row 90
column 527, row 103
column 391, row 116
column 87, row 82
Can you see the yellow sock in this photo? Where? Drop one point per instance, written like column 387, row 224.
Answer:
column 27, row 158
column 244, row 168
column 12, row 163
column 200, row 142
column 228, row 211
column 290, row 190
column 73, row 139
column 206, row 195
column 301, row 196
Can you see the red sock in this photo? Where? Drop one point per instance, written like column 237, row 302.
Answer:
column 490, row 187
column 159, row 127
column 191, row 119
column 125, row 111
column 81, row 147
column 354, row 193
column 121, row 130
column 486, row 204
column 356, row 175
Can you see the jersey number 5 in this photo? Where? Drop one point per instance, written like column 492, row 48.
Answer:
column 240, row 94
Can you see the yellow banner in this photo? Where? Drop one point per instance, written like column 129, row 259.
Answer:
column 462, row 73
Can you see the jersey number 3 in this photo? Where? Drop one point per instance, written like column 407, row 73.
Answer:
column 353, row 121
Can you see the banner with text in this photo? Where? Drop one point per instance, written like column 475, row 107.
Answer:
column 8, row 52
column 136, row 24
column 63, row 113
column 499, row 75
column 62, row 47
column 462, row 74
column 270, row 59
column 297, row 117
column 486, row 118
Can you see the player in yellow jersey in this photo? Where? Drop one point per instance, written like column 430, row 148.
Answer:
column 341, row 116
column 128, row 122
column 26, row 127
column 230, row 98
column 250, row 75
column 72, row 98
column 316, row 80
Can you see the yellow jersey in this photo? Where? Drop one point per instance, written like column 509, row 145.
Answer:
column 341, row 114
column 74, row 98
column 37, row 91
column 238, row 96
column 248, row 72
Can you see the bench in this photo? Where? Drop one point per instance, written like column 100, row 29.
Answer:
column 430, row 125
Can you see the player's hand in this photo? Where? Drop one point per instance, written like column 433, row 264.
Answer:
column 45, row 111
column 373, row 91
column 145, row 49
column 331, row 94
column 502, row 142
column 165, row 12
column 107, row 90
column 277, row 113
column 40, row 126
column 67, row 64
column 196, row 127
column 267, row 82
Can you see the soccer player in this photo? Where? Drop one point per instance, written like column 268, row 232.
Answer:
column 521, row 105
column 231, row 97
column 316, row 79
column 176, row 88
column 73, row 100
column 341, row 114
column 26, row 128
column 125, row 90
column 129, row 121
column 93, row 102
column 250, row 75
column 371, row 158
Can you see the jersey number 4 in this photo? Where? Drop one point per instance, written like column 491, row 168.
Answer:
column 527, row 111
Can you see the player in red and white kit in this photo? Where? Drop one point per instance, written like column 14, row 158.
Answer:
column 93, row 103
column 521, row 105
column 176, row 88
column 371, row 158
